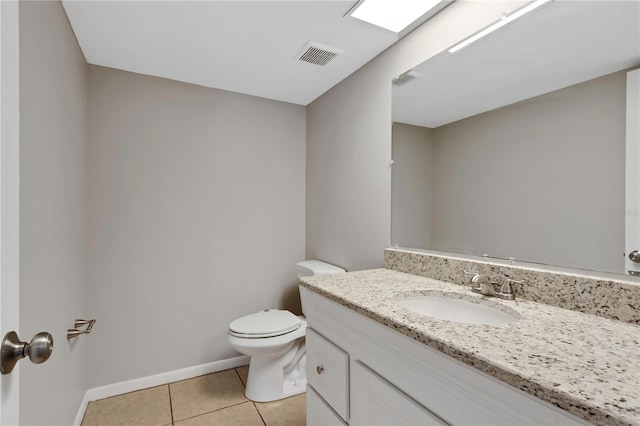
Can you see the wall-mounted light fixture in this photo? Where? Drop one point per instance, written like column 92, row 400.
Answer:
column 501, row 23
column 393, row 15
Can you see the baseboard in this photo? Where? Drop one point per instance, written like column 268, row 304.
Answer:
column 156, row 380
column 81, row 410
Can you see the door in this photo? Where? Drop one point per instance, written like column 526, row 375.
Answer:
column 374, row 401
column 9, row 199
column 632, row 184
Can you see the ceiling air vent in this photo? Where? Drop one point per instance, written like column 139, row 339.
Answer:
column 317, row 54
column 406, row 77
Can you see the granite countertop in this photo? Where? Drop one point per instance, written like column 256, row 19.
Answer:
column 585, row 364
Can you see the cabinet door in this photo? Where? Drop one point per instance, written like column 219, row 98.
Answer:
column 374, row 401
column 319, row 413
column 327, row 372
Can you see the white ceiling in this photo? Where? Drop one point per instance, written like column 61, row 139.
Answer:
column 558, row 45
column 241, row 46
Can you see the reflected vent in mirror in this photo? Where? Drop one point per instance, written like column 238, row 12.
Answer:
column 317, row 54
column 406, row 77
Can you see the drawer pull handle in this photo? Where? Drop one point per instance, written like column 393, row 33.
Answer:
column 319, row 369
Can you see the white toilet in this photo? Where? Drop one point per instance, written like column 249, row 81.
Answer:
column 274, row 339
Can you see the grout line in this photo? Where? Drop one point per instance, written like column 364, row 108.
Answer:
column 240, row 377
column 218, row 409
column 170, row 404
column 259, row 413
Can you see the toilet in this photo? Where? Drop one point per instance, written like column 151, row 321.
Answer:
column 274, row 339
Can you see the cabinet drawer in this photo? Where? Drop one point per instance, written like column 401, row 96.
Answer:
column 327, row 372
column 319, row 413
column 374, row 401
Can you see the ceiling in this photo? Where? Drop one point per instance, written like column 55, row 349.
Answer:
column 242, row 46
column 558, row 45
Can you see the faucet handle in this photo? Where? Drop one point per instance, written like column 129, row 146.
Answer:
column 475, row 277
column 506, row 289
column 480, row 282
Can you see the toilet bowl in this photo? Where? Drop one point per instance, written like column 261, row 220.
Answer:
column 276, row 369
column 274, row 339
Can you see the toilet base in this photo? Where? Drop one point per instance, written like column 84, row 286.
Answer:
column 288, row 389
column 269, row 378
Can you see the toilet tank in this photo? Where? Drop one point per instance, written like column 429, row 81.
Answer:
column 308, row 268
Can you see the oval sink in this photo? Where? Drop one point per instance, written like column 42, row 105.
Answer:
column 457, row 310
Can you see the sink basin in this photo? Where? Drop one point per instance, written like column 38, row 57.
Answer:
column 457, row 310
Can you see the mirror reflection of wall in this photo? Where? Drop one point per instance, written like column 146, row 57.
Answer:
column 535, row 180
column 412, row 185
column 540, row 179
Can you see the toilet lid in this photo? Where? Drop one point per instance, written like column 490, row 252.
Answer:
column 266, row 323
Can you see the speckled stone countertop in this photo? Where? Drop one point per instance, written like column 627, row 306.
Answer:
column 582, row 363
column 614, row 298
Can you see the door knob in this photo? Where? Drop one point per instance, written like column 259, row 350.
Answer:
column 13, row 350
column 634, row 256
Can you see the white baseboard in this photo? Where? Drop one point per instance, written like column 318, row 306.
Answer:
column 156, row 380
column 81, row 410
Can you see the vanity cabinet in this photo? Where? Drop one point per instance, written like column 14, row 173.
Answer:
column 329, row 371
column 318, row 411
column 361, row 372
column 374, row 401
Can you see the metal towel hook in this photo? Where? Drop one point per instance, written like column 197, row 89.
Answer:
column 75, row 332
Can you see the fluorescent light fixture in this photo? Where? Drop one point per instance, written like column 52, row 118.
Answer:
column 501, row 23
column 394, row 15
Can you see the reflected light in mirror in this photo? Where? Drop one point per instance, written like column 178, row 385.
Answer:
column 501, row 23
column 393, row 15
column 516, row 145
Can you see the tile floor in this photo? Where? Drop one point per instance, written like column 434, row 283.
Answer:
column 214, row 399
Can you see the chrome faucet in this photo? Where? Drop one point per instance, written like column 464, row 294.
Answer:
column 481, row 284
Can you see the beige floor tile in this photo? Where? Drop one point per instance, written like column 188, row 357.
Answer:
column 243, row 372
column 285, row 412
column 144, row 407
column 244, row 414
column 203, row 394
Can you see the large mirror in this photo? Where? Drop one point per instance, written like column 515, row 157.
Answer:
column 514, row 146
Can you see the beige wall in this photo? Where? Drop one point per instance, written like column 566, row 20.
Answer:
column 349, row 142
column 411, row 186
column 535, row 180
column 195, row 198
column 196, row 217
column 53, row 134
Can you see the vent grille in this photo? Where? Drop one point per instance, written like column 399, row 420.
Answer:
column 317, row 54
column 406, row 77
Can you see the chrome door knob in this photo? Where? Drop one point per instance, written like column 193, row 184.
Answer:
column 13, row 350
column 634, row 256
column 40, row 347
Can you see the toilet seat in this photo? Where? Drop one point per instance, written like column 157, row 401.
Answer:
column 265, row 324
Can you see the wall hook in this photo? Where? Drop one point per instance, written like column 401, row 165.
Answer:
column 75, row 332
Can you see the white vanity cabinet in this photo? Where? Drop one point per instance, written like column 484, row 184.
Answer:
column 328, row 371
column 374, row 401
column 319, row 413
column 361, row 372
